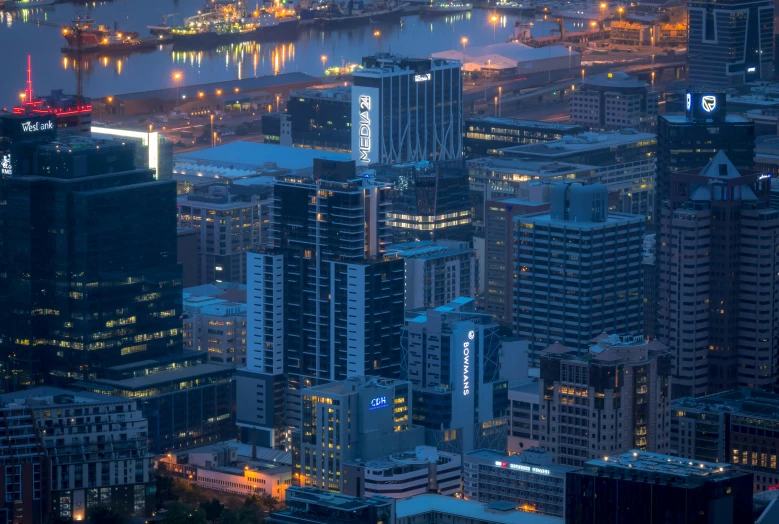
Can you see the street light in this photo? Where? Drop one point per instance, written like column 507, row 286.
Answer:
column 464, row 41
column 494, row 19
column 500, row 99
column 620, row 10
column 212, row 129
column 177, row 79
column 277, row 102
column 324, row 59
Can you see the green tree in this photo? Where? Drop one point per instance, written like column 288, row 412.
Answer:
column 268, row 501
column 245, row 515
column 53, row 518
column 178, row 513
column 251, row 501
column 104, row 515
column 191, row 494
column 165, row 488
column 212, row 510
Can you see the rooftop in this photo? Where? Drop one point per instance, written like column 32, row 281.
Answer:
column 429, row 250
column 52, row 396
column 615, row 79
column 353, row 384
column 657, row 465
column 495, row 457
column 583, row 142
column 251, row 155
column 611, row 219
column 682, row 119
column 505, row 54
column 754, row 403
column 539, row 168
column 483, row 513
column 154, row 379
column 535, row 124
column 420, row 455
column 340, row 93
column 334, row 500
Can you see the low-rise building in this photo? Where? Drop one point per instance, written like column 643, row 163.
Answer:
column 230, row 467
column 436, row 509
column 664, row 487
column 530, row 481
column 614, row 101
column 524, row 423
column 314, row 506
column 437, row 272
column 65, row 452
column 484, row 135
column 405, row 474
column 217, row 327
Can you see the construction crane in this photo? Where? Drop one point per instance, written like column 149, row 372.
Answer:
column 78, row 26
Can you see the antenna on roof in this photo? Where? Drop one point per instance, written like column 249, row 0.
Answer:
column 28, row 91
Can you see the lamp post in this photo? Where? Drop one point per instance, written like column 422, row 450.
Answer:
column 213, row 142
column 464, row 40
column 324, row 59
column 500, row 99
column 177, row 79
column 494, row 19
column 620, row 10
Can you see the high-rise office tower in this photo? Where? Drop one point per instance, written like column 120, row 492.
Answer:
column 406, row 110
column 324, row 302
column 609, row 400
column 88, row 270
column 717, row 276
column 690, row 140
column 577, row 270
column 729, row 43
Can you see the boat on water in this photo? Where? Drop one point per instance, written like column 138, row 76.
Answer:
column 101, row 39
column 342, row 70
column 221, row 23
column 448, row 7
column 351, row 12
column 10, row 5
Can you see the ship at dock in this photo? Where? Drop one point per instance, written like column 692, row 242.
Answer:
column 83, row 36
column 447, row 7
column 352, row 13
column 221, row 23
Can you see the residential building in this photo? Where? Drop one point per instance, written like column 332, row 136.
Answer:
column 358, row 418
column 230, row 220
column 614, row 398
column 404, row 474
column 229, row 467
column 436, row 273
column 65, row 452
column 717, row 279
column 439, row 509
column 429, row 201
column 740, row 427
column 729, row 44
column 88, row 253
column 312, row 506
column 217, row 327
column 595, row 283
column 497, row 265
column 623, row 161
column 485, row 135
column 406, row 110
column 652, row 487
column 530, row 481
column 456, row 361
column 325, row 299
column 690, row 140
column 524, row 423
column 614, row 101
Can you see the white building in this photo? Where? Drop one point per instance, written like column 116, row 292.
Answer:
column 229, row 467
column 437, row 272
column 405, row 474
column 437, row 509
column 530, row 481
column 216, row 326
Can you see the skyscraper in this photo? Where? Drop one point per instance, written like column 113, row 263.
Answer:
column 717, row 279
column 406, row 110
column 729, row 43
column 89, row 276
column 324, row 302
column 577, row 270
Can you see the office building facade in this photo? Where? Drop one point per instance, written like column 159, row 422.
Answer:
column 437, row 273
column 614, row 101
column 216, row 327
column 577, row 270
column 485, row 135
column 429, row 201
column 739, row 427
column 717, row 279
column 613, row 399
column 729, row 44
column 452, row 356
column 361, row 417
column 405, row 474
column 652, row 487
column 325, row 300
column 524, row 417
column 406, row 110
column 230, row 220
column 530, row 480
column 321, row 118
column 89, row 254
column 311, row 505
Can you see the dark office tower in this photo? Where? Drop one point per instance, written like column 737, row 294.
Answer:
column 717, row 273
column 430, row 201
column 324, row 302
column 690, row 141
column 88, row 275
column 406, row 110
column 729, row 43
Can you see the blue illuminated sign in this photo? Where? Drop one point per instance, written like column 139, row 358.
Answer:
column 689, row 101
column 378, row 403
column 708, row 103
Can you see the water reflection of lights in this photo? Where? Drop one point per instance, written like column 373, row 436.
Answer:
column 278, row 56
